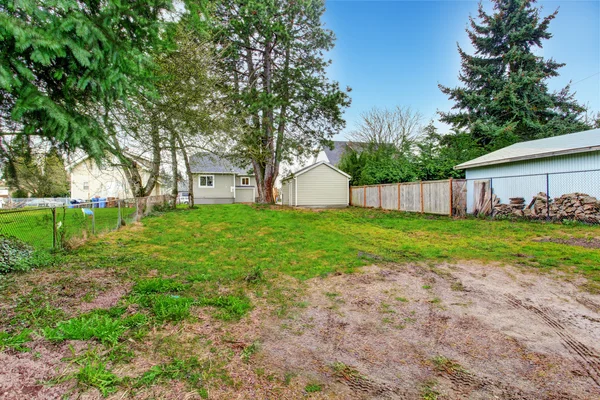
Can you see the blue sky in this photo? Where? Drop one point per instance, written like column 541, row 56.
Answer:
column 396, row 52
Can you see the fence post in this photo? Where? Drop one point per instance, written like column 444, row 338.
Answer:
column 491, row 200
column 350, row 195
column 379, row 190
column 399, row 192
column 119, row 218
column 365, row 196
column 421, row 193
column 547, row 196
column 54, row 227
column 451, row 199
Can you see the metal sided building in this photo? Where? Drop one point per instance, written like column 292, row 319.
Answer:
column 557, row 165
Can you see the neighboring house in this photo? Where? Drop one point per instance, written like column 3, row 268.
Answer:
column 333, row 155
column 557, row 165
column 217, row 181
column 318, row 185
column 88, row 180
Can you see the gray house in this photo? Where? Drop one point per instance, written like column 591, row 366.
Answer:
column 318, row 185
column 217, row 181
column 556, row 165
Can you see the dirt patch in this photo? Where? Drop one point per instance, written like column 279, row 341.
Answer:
column 27, row 375
column 457, row 331
column 591, row 243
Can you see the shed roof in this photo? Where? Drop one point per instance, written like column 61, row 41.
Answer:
column 211, row 163
column 308, row 168
column 578, row 142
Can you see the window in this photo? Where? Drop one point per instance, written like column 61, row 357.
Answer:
column 245, row 181
column 86, row 186
column 207, row 181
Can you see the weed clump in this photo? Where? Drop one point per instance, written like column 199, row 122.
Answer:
column 95, row 374
column 158, row 285
column 105, row 329
column 15, row 342
column 230, row 308
column 171, row 308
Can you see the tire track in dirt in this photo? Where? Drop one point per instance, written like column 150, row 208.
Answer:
column 586, row 357
column 592, row 305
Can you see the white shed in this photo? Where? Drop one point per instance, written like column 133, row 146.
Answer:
column 318, row 185
column 557, row 165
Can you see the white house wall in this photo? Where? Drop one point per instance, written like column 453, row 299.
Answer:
column 507, row 182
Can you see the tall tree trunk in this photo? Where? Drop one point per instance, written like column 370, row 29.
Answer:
column 188, row 169
column 155, row 170
column 175, row 168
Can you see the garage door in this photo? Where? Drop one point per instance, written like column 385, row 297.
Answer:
column 244, row 195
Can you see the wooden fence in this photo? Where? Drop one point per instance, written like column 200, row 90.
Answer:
column 446, row 197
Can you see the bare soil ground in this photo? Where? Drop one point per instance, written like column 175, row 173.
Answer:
column 453, row 331
column 456, row 331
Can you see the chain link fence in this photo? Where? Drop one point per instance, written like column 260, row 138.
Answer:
column 551, row 196
column 65, row 226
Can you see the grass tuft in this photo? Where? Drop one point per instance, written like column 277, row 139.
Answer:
column 230, row 308
column 15, row 342
column 171, row 308
column 95, row 374
column 158, row 285
column 103, row 328
column 313, row 388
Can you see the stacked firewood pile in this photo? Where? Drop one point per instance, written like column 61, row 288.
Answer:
column 515, row 207
column 579, row 206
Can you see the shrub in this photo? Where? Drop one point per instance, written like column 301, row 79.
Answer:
column 14, row 254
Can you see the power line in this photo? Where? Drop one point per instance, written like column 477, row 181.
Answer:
column 591, row 76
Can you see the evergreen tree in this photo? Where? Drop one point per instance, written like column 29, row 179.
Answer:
column 55, row 182
column 505, row 98
column 65, row 63
column 273, row 56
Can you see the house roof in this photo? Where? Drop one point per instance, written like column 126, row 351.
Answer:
column 335, row 153
column 211, row 163
column 572, row 143
column 308, row 168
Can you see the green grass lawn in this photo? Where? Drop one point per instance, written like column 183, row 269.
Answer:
column 229, row 241
column 222, row 261
column 34, row 226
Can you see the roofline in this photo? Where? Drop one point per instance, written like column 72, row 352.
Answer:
column 468, row 165
column 310, row 167
column 222, row 173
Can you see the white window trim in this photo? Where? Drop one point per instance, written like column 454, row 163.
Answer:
column 206, row 176
column 242, row 180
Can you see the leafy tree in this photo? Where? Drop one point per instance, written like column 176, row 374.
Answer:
column 35, row 172
column 504, row 97
column 64, row 63
column 272, row 53
column 55, row 182
column 377, row 164
column 399, row 127
column 438, row 154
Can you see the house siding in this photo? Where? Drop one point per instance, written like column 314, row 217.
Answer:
column 285, row 193
column 507, row 183
column 105, row 181
column 322, row 186
column 221, row 193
